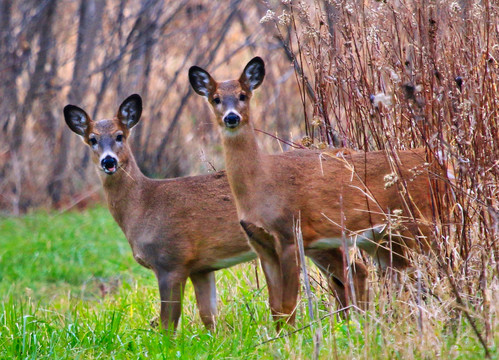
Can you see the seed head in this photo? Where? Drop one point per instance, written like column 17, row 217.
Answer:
column 269, row 16
column 390, row 180
column 306, row 141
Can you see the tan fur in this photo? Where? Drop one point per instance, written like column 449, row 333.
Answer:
column 320, row 188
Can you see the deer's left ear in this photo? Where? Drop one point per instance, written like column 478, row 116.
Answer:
column 130, row 111
column 253, row 73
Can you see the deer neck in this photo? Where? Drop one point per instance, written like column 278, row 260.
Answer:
column 245, row 166
column 123, row 191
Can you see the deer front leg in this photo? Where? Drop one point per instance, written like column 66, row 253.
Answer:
column 206, row 297
column 171, row 290
column 290, row 268
column 265, row 247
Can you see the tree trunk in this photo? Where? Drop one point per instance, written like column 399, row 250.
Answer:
column 205, row 59
column 89, row 26
column 7, row 68
column 39, row 77
column 140, row 63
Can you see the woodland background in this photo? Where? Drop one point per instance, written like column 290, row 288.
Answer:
column 94, row 53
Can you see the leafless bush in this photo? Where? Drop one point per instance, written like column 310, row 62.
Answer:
column 395, row 75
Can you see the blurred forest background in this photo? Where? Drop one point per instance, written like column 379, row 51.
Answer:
column 94, row 53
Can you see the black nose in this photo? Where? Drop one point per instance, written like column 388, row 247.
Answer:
column 109, row 164
column 232, row 120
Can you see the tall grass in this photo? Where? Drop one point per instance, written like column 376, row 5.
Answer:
column 397, row 75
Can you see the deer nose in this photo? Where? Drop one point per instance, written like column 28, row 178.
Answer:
column 232, row 120
column 109, row 165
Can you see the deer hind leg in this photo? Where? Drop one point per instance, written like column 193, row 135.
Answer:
column 360, row 274
column 267, row 250
column 392, row 254
column 391, row 249
column 330, row 263
column 397, row 252
column 388, row 249
column 206, row 297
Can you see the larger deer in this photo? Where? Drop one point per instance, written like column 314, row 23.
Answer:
column 339, row 200
column 180, row 228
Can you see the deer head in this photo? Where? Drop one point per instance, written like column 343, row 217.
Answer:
column 106, row 138
column 230, row 99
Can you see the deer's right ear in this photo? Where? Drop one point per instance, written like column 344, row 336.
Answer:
column 77, row 119
column 201, row 81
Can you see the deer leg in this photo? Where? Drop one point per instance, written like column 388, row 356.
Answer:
column 290, row 268
column 330, row 263
column 266, row 248
column 171, row 289
column 206, row 297
column 359, row 275
column 392, row 253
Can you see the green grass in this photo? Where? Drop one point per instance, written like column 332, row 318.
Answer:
column 70, row 289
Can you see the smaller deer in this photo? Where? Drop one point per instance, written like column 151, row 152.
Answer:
column 180, row 228
column 337, row 199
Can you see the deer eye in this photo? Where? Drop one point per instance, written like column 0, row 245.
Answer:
column 216, row 100
column 92, row 141
column 119, row 138
column 242, row 97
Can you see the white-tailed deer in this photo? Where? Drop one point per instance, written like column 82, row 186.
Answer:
column 180, row 228
column 338, row 199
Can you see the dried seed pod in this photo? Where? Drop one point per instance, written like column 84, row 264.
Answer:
column 306, row 141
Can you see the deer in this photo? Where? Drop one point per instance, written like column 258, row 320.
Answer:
column 179, row 228
column 345, row 200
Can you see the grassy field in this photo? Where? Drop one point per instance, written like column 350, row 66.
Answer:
column 70, row 289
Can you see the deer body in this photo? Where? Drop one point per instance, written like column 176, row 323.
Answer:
column 156, row 218
column 180, row 228
column 337, row 199
column 299, row 184
column 161, row 217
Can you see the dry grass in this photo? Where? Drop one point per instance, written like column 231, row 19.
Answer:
column 76, row 292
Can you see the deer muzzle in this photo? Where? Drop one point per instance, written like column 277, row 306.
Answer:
column 232, row 120
column 109, row 165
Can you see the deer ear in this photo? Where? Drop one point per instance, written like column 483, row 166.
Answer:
column 201, row 81
column 253, row 73
column 130, row 111
column 77, row 119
